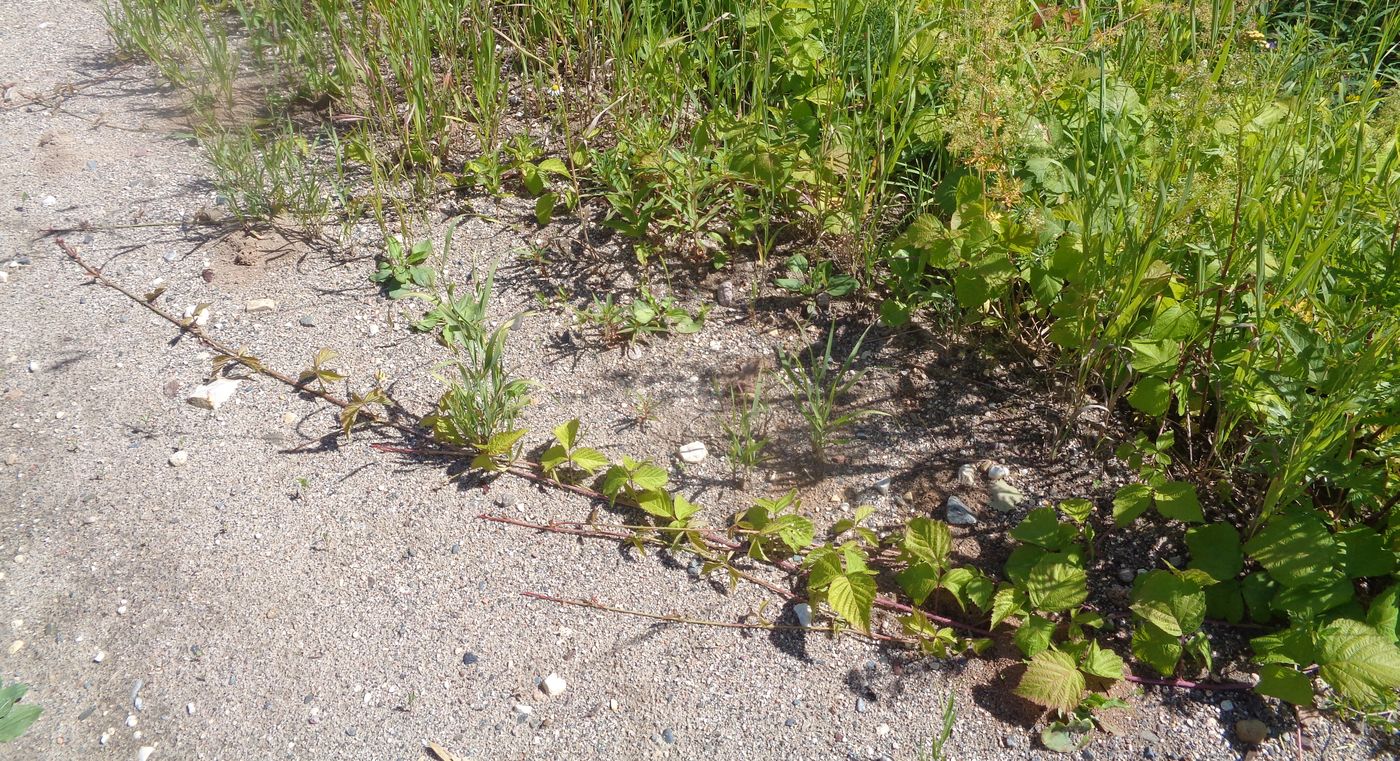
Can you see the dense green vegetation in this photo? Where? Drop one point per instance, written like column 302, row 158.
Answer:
column 1192, row 208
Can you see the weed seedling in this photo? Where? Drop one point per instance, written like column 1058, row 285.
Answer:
column 817, row 389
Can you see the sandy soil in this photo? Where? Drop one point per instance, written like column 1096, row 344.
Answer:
column 288, row 594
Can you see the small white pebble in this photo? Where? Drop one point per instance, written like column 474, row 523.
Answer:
column 99, row 657
column 104, row 738
column 554, row 685
column 121, row 610
column 144, row 753
column 189, row 708
column 131, row 720
column 179, row 458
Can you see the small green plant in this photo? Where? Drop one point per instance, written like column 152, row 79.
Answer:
column 810, row 280
column 15, row 718
column 401, row 271
column 646, row 316
column 945, row 731
column 818, row 389
column 566, row 460
column 746, row 428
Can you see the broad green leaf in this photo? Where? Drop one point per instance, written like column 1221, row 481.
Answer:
column 1357, row 661
column 1364, row 553
column 1304, row 603
column 1174, row 605
column 1296, row 548
column 1041, row 527
column 1077, row 510
column 1384, row 613
column 1215, row 549
column 553, row 458
column 1102, row 663
column 10, row 695
column 1157, row 648
column 1052, row 680
column 1034, row 634
column 824, row 564
column 1224, row 601
column 1156, row 358
column 1019, row 564
column 1293, row 645
column 1177, row 500
column 1284, row 683
column 1258, row 590
column 655, row 502
column 17, row 721
column 1151, row 395
column 796, row 531
column 1054, row 584
column 1067, row 737
column 918, row 581
column 852, row 596
column 971, row 288
column 589, row 460
column 970, row 588
column 1130, row 502
column 928, row 540
column 567, row 433
column 1007, row 602
column 649, row 476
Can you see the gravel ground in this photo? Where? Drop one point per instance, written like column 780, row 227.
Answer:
column 284, row 594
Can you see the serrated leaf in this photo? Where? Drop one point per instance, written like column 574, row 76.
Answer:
column 1055, row 584
column 567, row 433
column 1052, row 680
column 1007, row 602
column 1130, row 502
column 1151, row 396
column 1019, row 564
column 1077, row 510
column 1224, row 601
column 852, row 596
column 1294, row 645
column 1304, row 603
column 1296, row 548
column 1182, row 599
column 970, row 588
column 613, row 481
column 1157, row 648
column 552, row 458
column 1357, row 661
column 1040, row 527
column 918, row 581
column 1177, row 500
column 1215, row 549
column 928, row 540
column 795, row 531
column 1102, row 663
column 1286, row 684
column 1384, row 613
column 588, row 460
column 655, row 502
column 649, row 476
column 1034, row 634
column 1364, row 553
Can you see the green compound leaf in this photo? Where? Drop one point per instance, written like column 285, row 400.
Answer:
column 1052, row 680
column 1033, row 635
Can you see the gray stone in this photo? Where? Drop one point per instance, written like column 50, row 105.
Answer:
column 1251, row 731
column 882, row 486
column 307, row 321
column 861, row 706
column 470, row 659
column 1004, row 496
column 959, row 514
column 668, row 736
column 726, row 295
column 1126, row 575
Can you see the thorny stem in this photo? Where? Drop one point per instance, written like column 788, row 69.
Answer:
column 534, row 472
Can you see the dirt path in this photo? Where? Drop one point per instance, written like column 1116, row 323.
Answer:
column 285, row 595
